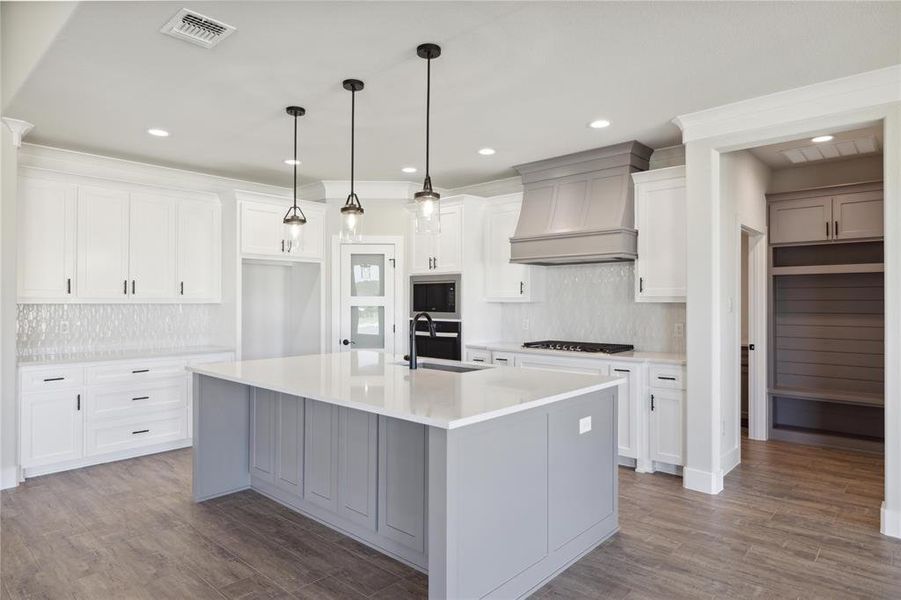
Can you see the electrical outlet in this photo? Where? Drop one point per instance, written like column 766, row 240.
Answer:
column 64, row 327
column 525, row 323
column 678, row 329
column 584, row 425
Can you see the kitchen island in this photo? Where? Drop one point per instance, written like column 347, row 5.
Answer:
column 492, row 480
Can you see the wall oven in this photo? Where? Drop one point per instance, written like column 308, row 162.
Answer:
column 445, row 344
column 438, row 295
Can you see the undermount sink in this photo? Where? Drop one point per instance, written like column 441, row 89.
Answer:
column 451, row 368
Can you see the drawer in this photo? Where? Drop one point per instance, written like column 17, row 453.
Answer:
column 504, row 359
column 47, row 379
column 667, row 376
column 103, row 402
column 101, row 438
column 132, row 372
column 212, row 358
column 478, row 356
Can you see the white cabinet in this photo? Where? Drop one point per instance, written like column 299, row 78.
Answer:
column 441, row 253
column 199, row 262
column 151, row 241
column 263, row 233
column 103, row 225
column 562, row 363
column 504, row 281
column 478, row 356
column 628, row 408
column 665, row 425
column 52, row 427
column 46, row 247
column 660, row 217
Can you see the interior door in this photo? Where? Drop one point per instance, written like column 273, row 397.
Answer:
column 151, row 262
column 367, row 297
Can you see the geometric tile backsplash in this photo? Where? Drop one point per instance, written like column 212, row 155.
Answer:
column 75, row 328
column 596, row 303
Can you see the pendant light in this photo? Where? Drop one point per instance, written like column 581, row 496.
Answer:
column 352, row 211
column 294, row 218
column 428, row 213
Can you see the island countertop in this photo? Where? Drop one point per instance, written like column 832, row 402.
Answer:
column 381, row 383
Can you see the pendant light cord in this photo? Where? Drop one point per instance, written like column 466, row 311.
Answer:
column 295, row 163
column 428, row 107
column 353, row 120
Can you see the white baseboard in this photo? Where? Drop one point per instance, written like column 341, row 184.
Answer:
column 9, row 478
column 731, row 460
column 105, row 458
column 702, row 481
column 890, row 522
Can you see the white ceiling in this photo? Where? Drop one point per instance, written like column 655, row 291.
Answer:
column 844, row 145
column 523, row 78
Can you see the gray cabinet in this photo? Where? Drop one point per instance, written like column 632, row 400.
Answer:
column 289, row 444
column 402, row 482
column 262, row 428
column 851, row 212
column 320, row 458
column 357, row 466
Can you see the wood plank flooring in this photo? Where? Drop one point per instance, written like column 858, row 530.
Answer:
column 793, row 522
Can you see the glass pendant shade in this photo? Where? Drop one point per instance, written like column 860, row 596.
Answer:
column 351, row 216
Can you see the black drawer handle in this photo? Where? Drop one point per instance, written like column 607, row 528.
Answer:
column 622, row 370
column 140, row 431
column 55, row 379
column 141, row 398
column 141, row 371
column 666, row 378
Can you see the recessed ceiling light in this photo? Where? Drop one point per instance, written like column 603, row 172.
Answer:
column 158, row 132
column 822, row 138
column 486, row 151
column 599, row 124
column 409, row 169
column 291, row 161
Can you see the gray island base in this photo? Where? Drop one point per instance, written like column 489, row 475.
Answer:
column 491, row 508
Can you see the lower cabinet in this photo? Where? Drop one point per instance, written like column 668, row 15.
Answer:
column 320, row 455
column 262, row 424
column 628, row 408
column 402, row 482
column 52, row 427
column 357, row 466
column 289, row 423
column 666, row 426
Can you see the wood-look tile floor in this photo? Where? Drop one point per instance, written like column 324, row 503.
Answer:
column 793, row 522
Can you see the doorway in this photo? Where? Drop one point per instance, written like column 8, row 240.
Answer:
column 753, row 413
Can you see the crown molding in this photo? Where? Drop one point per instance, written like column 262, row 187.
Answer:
column 487, row 189
column 871, row 88
column 367, row 190
column 18, row 128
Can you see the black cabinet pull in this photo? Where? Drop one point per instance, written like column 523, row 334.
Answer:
column 521, row 287
column 435, row 261
column 132, row 286
column 78, row 402
column 652, row 402
column 141, row 398
column 640, row 285
column 141, row 371
column 182, row 290
column 836, row 229
column 666, row 378
column 140, row 431
column 125, row 287
column 622, row 370
column 283, row 245
column 69, row 285
column 54, row 379
column 827, row 229
column 750, row 346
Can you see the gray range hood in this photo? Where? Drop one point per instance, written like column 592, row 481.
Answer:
column 579, row 208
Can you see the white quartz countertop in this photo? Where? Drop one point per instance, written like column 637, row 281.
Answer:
column 654, row 357
column 110, row 355
column 381, row 383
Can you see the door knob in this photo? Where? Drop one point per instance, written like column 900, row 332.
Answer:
column 347, row 342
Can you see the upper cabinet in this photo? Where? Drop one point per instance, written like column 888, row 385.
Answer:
column 263, row 234
column 441, row 253
column 46, row 229
column 111, row 242
column 504, row 281
column 660, row 217
column 852, row 212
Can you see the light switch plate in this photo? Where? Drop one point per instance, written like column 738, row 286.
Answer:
column 584, row 425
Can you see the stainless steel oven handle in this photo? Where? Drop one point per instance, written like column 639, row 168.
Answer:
column 442, row 334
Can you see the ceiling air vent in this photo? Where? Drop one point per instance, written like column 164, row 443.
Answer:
column 837, row 148
column 193, row 27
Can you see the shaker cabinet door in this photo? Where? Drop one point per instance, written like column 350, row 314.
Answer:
column 666, row 426
column 152, row 241
column 802, row 220
column 103, row 224
column 357, row 466
column 627, row 409
column 262, row 449
column 289, row 444
column 199, row 250
column 46, row 243
column 320, row 454
column 402, row 482
column 504, row 281
column 858, row 215
column 52, row 427
column 662, row 263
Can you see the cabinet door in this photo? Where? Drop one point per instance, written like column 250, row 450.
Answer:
column 858, row 215
column 152, row 240
column 421, row 246
column 52, row 428
column 262, row 447
column 102, row 271
column 261, row 229
column 503, row 279
column 289, row 444
column 357, row 466
column 559, row 363
column 666, row 426
column 628, row 409
column 320, row 450
column 803, row 220
column 199, row 250
column 448, row 255
column 402, row 482
column 661, row 266
column 46, row 246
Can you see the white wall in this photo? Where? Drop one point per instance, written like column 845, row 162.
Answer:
column 8, row 405
column 864, row 168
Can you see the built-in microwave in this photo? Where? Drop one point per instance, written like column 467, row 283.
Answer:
column 438, row 295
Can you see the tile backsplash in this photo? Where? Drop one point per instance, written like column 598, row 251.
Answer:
column 74, row 328
column 596, row 303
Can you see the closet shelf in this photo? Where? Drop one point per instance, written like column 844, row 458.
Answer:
column 859, row 398
column 829, row 269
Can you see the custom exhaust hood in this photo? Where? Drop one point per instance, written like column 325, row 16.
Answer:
column 579, row 208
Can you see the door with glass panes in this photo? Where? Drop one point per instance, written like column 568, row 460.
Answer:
column 367, row 297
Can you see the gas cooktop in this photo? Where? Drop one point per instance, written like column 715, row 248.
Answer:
column 579, row 346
